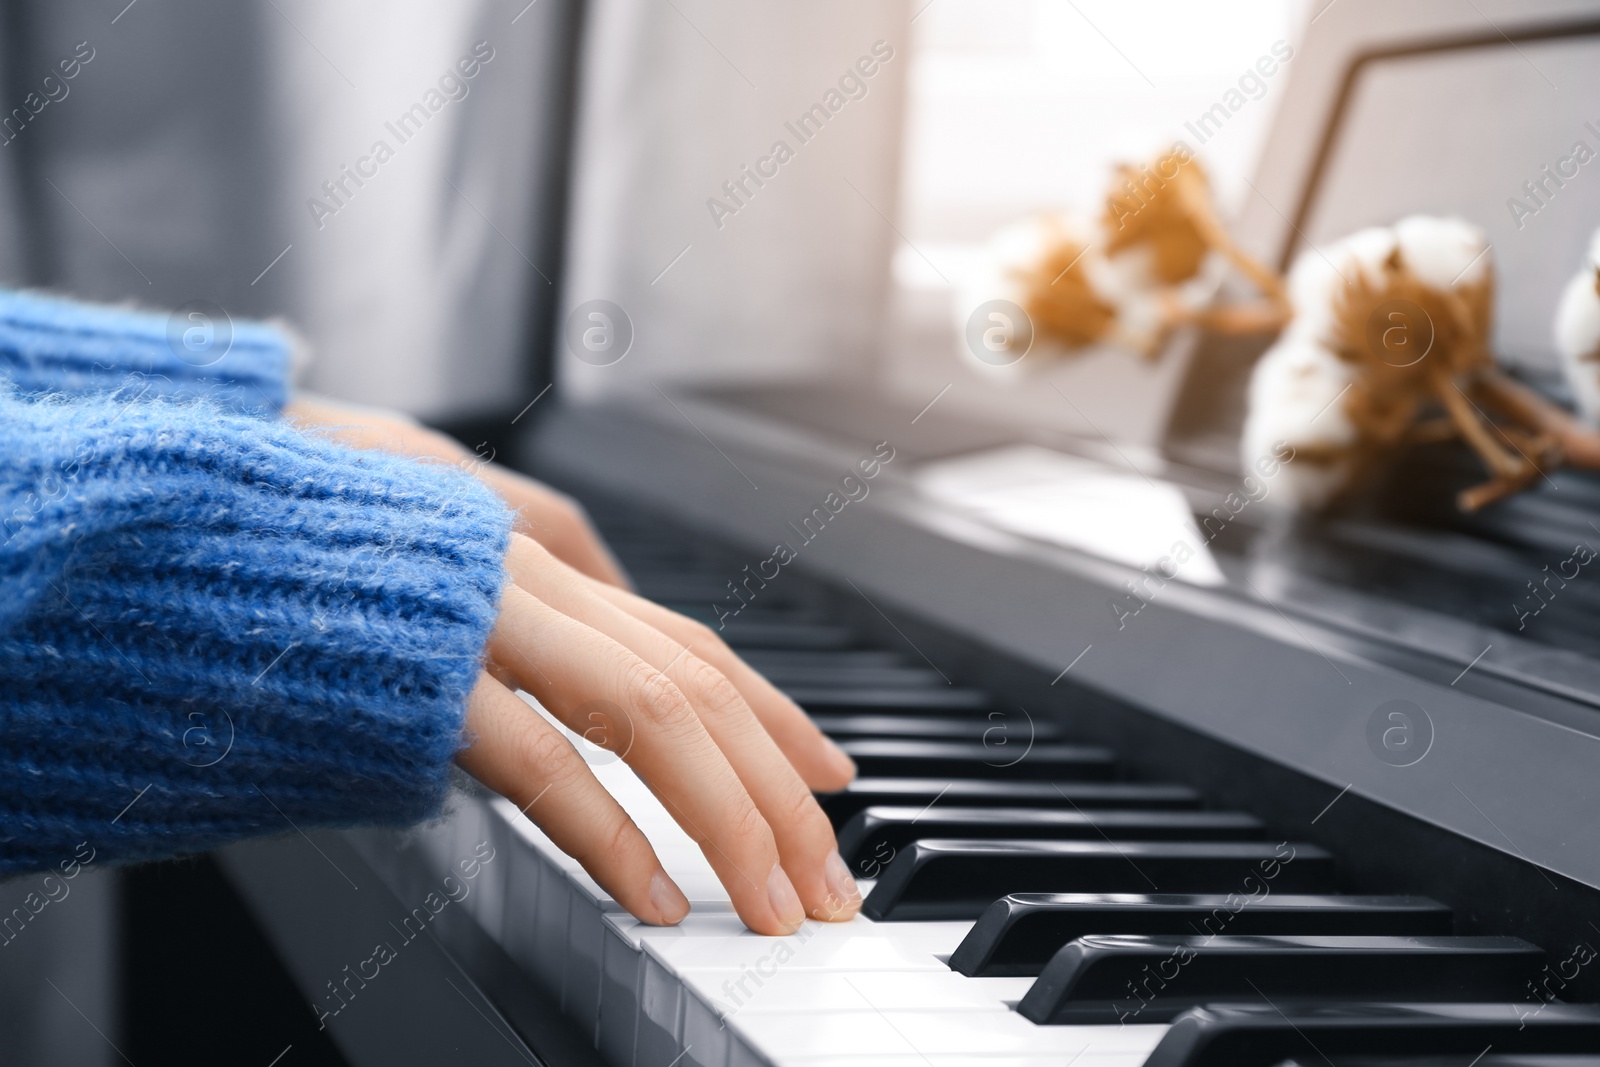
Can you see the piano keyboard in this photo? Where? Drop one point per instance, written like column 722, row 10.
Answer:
column 1024, row 911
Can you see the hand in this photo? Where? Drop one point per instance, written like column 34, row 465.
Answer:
column 551, row 518
column 731, row 758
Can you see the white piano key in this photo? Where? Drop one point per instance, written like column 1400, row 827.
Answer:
column 584, row 962
column 789, row 1037
column 786, row 990
column 622, row 964
column 658, row 1041
column 679, row 855
column 782, row 1038
column 843, row 954
column 699, row 924
column 495, row 877
column 705, row 1035
column 527, row 834
column 674, row 846
column 623, row 995
column 721, row 941
column 741, row 1054
column 703, row 890
column 1090, row 1058
column 562, row 945
column 712, row 907
column 520, row 933
column 551, row 906
column 588, row 888
column 521, row 828
column 474, row 830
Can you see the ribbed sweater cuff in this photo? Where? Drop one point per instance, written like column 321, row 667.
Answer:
column 53, row 345
column 226, row 627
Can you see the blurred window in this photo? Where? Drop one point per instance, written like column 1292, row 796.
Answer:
column 1021, row 106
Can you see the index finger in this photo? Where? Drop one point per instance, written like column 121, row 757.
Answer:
column 664, row 743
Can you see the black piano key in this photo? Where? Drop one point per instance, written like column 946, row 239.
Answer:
column 970, row 792
column 676, row 590
column 869, row 700
column 798, row 660
column 958, row 879
column 774, row 627
column 1018, row 934
column 665, row 560
column 778, row 633
column 661, row 564
column 941, row 728
column 1010, row 757
column 1259, row 1035
column 762, row 613
column 875, row 834
column 847, row 676
column 1128, row 978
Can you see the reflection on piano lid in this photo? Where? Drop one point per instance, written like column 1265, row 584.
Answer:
column 1120, row 515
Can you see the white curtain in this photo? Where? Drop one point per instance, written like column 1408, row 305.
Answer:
column 190, row 157
column 185, row 161
column 679, row 96
column 415, row 289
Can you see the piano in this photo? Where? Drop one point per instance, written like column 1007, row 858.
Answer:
column 1327, row 806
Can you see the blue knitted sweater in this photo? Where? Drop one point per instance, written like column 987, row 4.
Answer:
column 213, row 625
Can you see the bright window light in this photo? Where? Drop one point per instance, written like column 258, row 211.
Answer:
column 1022, row 106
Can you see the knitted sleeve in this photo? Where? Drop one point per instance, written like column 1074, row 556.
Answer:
column 212, row 626
column 52, row 345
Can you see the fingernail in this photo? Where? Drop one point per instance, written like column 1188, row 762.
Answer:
column 843, row 895
column 785, row 901
column 669, row 900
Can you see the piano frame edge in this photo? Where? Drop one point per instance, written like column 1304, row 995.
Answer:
column 456, row 996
